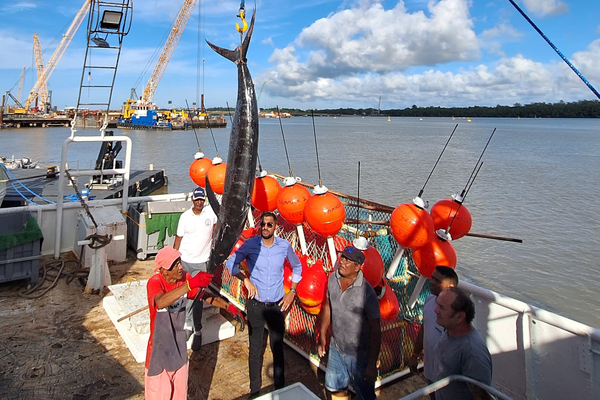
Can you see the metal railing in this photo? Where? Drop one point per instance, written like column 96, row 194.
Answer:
column 442, row 383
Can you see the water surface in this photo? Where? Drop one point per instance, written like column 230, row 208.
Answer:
column 539, row 183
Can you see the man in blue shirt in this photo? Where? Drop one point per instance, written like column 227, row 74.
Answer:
column 267, row 301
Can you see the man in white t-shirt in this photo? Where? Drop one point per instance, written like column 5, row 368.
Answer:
column 193, row 240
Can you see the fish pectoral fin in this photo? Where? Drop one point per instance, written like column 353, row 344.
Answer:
column 212, row 198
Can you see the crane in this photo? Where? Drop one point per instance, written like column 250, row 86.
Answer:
column 39, row 63
column 167, row 52
column 60, row 49
column 21, row 84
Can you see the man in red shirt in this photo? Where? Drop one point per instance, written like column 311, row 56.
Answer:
column 166, row 356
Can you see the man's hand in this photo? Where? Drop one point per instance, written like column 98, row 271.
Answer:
column 287, row 300
column 322, row 345
column 202, row 279
column 413, row 363
column 237, row 315
column 252, row 290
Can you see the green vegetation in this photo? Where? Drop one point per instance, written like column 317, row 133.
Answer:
column 578, row 109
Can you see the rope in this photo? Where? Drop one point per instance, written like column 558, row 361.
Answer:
column 589, row 85
column 52, row 272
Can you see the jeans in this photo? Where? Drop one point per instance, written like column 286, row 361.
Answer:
column 259, row 314
column 193, row 315
column 341, row 368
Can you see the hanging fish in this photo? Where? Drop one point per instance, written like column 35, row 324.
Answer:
column 241, row 160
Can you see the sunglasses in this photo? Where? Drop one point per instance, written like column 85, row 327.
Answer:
column 268, row 224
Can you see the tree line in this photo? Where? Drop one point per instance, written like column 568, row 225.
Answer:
column 577, row 109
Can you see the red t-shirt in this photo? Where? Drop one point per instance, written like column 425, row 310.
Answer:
column 156, row 285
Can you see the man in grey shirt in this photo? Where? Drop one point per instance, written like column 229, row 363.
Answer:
column 461, row 350
column 352, row 309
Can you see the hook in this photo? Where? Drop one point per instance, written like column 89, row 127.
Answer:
column 244, row 23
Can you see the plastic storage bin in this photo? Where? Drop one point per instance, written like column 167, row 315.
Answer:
column 20, row 247
column 167, row 215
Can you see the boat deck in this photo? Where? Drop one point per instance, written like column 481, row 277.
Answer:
column 64, row 345
column 141, row 183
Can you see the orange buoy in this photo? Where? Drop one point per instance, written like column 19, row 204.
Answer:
column 388, row 304
column 264, row 193
column 312, row 288
column 372, row 268
column 312, row 310
column 436, row 252
column 198, row 170
column 325, row 214
column 291, row 201
column 443, row 213
column 411, row 226
column 216, row 176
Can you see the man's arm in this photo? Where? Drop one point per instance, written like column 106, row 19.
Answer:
column 375, row 345
column 232, row 265
column 163, row 300
column 177, row 242
column 325, row 318
column 413, row 361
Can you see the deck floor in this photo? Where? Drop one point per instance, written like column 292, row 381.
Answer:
column 64, row 346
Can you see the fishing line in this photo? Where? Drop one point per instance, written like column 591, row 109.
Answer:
column 565, row 59
column 316, row 147
column 438, row 160
column 284, row 145
column 463, row 193
column 193, row 127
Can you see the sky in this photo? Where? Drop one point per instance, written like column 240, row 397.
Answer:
column 316, row 54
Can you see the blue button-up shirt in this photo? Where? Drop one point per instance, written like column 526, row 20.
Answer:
column 266, row 266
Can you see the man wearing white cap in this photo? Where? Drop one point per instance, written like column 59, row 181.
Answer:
column 193, row 240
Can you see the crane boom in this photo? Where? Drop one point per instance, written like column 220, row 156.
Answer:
column 168, row 49
column 21, row 83
column 60, row 49
column 39, row 63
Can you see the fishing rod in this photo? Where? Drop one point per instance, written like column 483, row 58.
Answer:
column 463, row 193
column 316, row 147
column 460, row 204
column 284, row 145
column 193, row 127
column 438, row 160
column 561, row 55
column 358, row 200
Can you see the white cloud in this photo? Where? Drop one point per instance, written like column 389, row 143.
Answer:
column 503, row 30
column 18, row 6
column 545, row 8
column 268, row 41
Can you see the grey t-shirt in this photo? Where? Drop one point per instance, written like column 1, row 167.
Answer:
column 350, row 314
column 466, row 355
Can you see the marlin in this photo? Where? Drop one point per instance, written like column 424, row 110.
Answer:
column 241, row 160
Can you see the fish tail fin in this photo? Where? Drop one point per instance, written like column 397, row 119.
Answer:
column 235, row 55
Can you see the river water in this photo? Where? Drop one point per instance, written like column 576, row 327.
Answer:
column 539, row 182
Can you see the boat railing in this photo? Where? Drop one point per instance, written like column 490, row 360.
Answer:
column 442, row 383
column 529, row 345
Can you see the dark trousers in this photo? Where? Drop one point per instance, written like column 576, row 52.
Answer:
column 258, row 314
